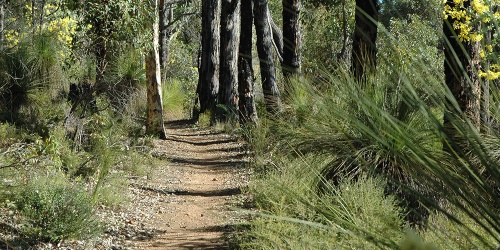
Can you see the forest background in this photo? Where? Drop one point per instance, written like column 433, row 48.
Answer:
column 380, row 128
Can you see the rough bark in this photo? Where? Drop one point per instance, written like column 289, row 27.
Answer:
column 291, row 37
column 230, row 40
column 364, row 48
column 460, row 68
column 208, row 82
column 245, row 69
column 264, row 50
column 154, row 116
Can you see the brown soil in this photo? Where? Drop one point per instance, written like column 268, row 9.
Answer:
column 197, row 186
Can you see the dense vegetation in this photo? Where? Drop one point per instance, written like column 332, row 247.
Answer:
column 389, row 158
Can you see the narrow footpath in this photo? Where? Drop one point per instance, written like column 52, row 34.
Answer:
column 190, row 197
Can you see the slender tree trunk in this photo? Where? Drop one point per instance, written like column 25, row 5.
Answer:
column 245, row 69
column 485, row 107
column 163, row 38
column 230, row 40
column 101, row 61
column 166, row 17
column 154, row 116
column 2, row 23
column 291, row 37
column 364, row 48
column 208, row 83
column 343, row 52
column 264, row 49
column 460, row 67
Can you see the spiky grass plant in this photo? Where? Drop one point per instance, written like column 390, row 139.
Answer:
column 395, row 131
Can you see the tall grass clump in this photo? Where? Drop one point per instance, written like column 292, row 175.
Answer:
column 445, row 188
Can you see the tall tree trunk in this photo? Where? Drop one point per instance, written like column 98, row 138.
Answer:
column 343, row 52
column 166, row 16
column 230, row 40
column 154, row 116
column 208, row 82
column 460, row 68
column 264, row 49
column 485, row 107
column 2, row 23
column 245, row 69
column 163, row 38
column 291, row 37
column 364, row 48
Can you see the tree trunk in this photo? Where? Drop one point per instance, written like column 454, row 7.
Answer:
column 2, row 23
column 230, row 40
column 460, row 67
column 154, row 116
column 291, row 37
column 165, row 32
column 485, row 107
column 245, row 69
column 264, row 49
column 208, row 83
column 364, row 48
column 343, row 52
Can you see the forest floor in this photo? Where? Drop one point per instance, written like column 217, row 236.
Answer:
column 186, row 202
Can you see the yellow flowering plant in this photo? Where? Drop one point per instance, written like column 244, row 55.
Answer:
column 473, row 20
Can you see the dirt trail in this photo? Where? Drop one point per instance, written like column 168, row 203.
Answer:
column 194, row 190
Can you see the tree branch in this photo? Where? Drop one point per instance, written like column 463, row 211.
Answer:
column 277, row 36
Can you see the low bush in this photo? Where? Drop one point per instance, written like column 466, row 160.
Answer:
column 56, row 209
column 293, row 215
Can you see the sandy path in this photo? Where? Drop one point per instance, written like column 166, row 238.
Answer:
column 196, row 188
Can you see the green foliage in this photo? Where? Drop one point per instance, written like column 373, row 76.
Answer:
column 175, row 101
column 8, row 134
column 429, row 10
column 56, row 209
column 409, row 48
column 448, row 234
column 293, row 215
column 17, row 83
column 126, row 76
column 325, row 44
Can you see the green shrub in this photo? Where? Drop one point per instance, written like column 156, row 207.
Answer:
column 353, row 215
column 56, row 209
column 448, row 234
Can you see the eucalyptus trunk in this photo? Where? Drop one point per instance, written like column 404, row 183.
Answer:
column 291, row 37
column 154, row 116
column 364, row 50
column 2, row 23
column 265, row 52
column 230, row 40
column 166, row 16
column 247, row 108
column 208, row 82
